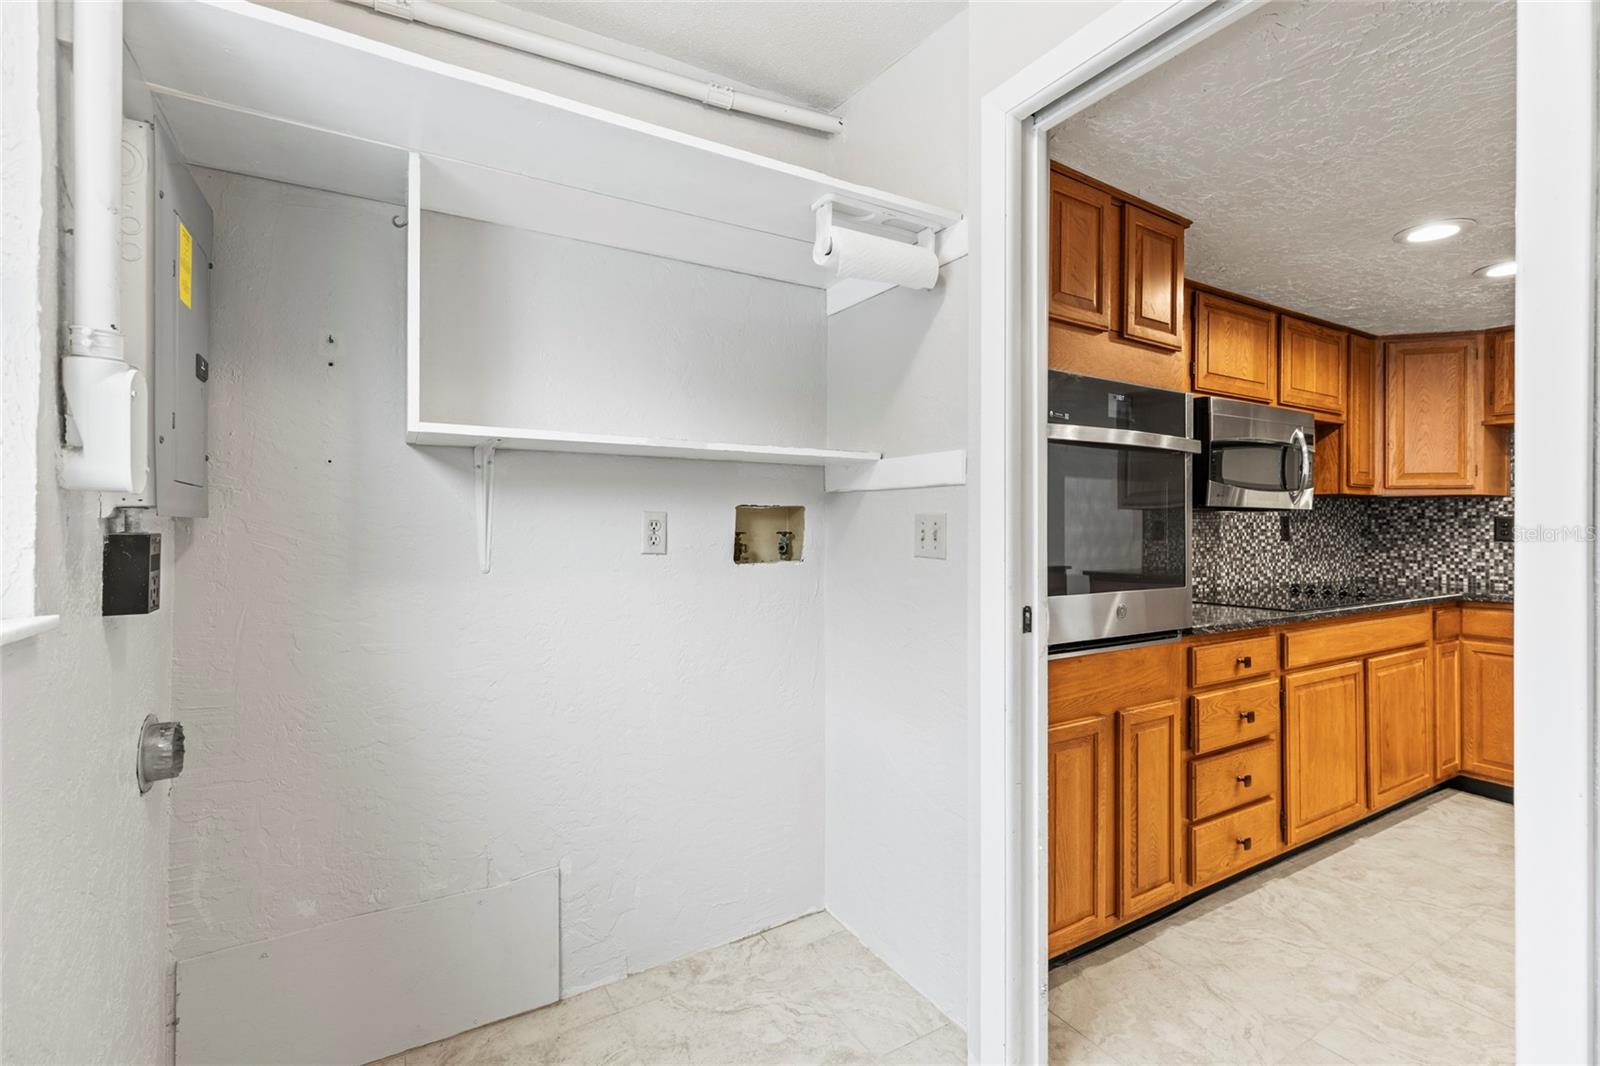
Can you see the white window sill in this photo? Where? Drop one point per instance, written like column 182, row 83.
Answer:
column 15, row 629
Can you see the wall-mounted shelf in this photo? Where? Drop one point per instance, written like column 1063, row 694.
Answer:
column 532, row 440
column 258, row 91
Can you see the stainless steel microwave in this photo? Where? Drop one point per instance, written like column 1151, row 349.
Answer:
column 1118, row 497
column 1253, row 457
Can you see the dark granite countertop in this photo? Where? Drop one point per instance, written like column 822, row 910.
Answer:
column 1217, row 618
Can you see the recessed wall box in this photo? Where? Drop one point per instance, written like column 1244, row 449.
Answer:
column 130, row 581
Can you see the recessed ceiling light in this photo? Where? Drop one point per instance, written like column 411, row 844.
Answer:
column 1437, row 230
column 1504, row 269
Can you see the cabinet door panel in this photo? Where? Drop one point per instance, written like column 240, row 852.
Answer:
column 1152, row 278
column 1080, row 831
column 1312, row 365
column 1501, row 401
column 1431, row 414
column 1363, row 428
column 1486, row 711
column 1325, row 758
column 1149, row 753
column 1447, row 709
column 1399, row 725
column 1235, row 348
column 1083, row 224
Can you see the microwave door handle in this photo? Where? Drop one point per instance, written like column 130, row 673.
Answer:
column 1298, row 438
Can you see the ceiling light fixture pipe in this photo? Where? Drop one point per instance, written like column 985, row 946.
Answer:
column 445, row 17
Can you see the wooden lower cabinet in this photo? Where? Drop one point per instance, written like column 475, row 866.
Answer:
column 1324, row 750
column 1149, row 774
column 1174, row 766
column 1486, row 710
column 1446, row 709
column 1082, row 808
column 1399, row 725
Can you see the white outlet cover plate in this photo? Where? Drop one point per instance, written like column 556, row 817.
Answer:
column 655, row 533
column 930, row 537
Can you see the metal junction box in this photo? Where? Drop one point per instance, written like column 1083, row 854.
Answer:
column 166, row 311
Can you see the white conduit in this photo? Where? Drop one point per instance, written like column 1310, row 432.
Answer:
column 445, row 17
column 106, row 399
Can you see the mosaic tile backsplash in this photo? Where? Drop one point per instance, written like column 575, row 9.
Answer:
column 1443, row 540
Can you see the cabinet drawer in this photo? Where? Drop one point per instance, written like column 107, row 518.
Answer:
column 1355, row 640
column 1490, row 623
column 1231, row 779
column 1232, row 841
column 1233, row 716
column 1232, row 660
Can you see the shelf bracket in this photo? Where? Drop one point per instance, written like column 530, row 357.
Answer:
column 483, row 498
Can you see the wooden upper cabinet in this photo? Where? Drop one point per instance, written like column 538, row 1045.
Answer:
column 1149, row 841
column 1152, row 278
column 1363, row 427
column 1432, row 403
column 1486, row 710
column 1312, row 365
column 1324, row 750
column 1083, row 231
column 1500, row 399
column 1082, row 809
column 1235, row 348
column 1400, row 733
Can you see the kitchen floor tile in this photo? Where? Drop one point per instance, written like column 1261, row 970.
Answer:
column 1392, row 943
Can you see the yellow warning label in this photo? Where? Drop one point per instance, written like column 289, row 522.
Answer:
column 185, row 266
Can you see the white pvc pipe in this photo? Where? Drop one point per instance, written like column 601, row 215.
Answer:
column 106, row 399
column 455, row 20
column 96, row 161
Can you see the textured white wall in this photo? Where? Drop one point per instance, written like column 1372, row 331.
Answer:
column 525, row 329
column 895, row 632
column 82, row 854
column 376, row 723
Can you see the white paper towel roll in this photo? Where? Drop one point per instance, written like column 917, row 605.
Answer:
column 853, row 254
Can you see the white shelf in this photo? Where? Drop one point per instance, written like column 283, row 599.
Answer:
column 258, row 91
column 533, row 440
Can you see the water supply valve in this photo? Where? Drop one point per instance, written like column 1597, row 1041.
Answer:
column 160, row 752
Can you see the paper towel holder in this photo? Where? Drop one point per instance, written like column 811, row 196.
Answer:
column 903, row 223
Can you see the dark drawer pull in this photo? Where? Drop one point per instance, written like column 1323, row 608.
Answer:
column 1248, row 716
column 1244, row 780
column 1243, row 660
column 1244, row 842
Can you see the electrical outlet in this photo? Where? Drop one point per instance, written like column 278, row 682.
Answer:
column 1505, row 529
column 655, row 533
column 930, row 543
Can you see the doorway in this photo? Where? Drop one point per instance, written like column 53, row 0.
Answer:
column 1110, row 54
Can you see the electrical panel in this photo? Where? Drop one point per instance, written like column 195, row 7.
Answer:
column 166, row 309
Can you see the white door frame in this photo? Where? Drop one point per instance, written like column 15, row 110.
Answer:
column 1556, row 814
column 1556, row 818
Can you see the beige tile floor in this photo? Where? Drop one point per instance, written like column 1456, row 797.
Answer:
column 1389, row 945
column 805, row 992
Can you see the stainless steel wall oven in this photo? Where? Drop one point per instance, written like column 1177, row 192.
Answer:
column 1118, row 499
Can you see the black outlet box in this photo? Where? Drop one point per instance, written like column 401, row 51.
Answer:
column 1505, row 529
column 130, row 581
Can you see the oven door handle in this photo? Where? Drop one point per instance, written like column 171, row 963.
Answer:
column 1122, row 438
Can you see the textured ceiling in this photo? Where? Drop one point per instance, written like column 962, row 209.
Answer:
column 1302, row 138
column 815, row 53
